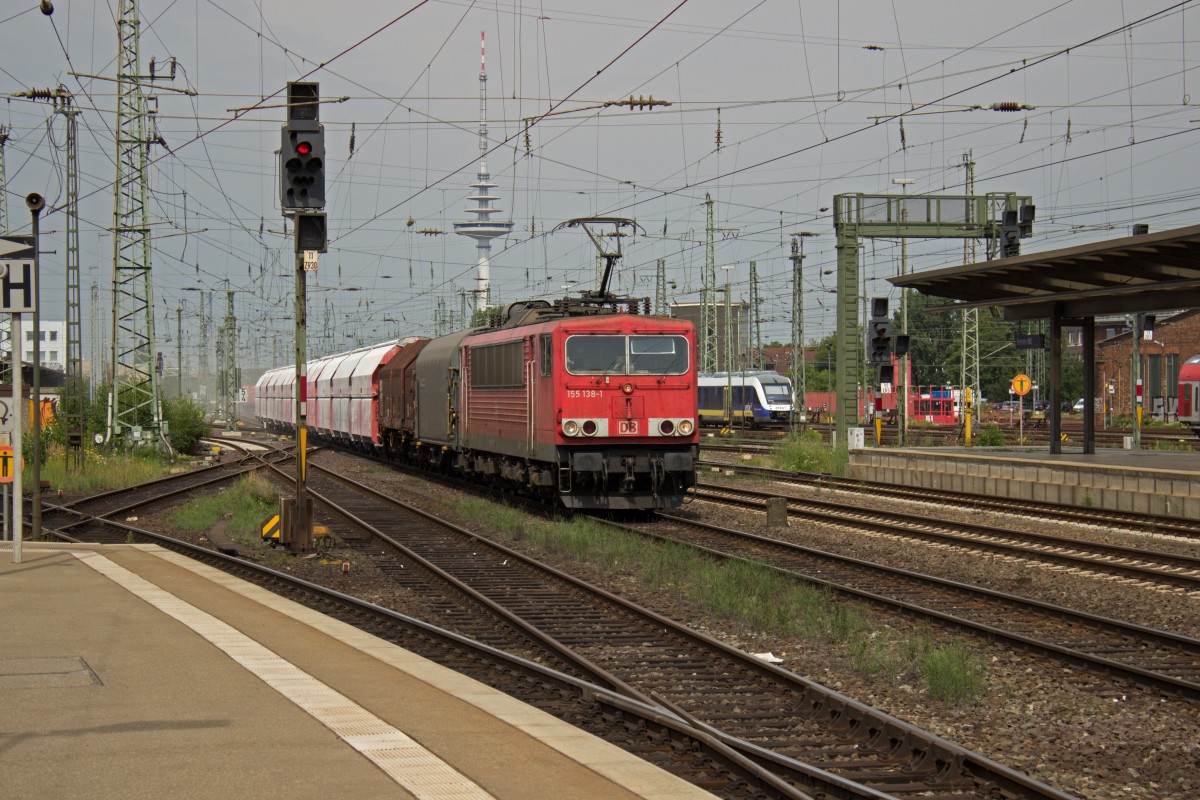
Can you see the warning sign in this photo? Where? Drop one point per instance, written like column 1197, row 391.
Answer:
column 1021, row 385
column 270, row 528
column 8, row 466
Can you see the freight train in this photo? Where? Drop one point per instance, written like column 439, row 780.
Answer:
column 583, row 401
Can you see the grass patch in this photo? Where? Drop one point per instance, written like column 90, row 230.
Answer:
column 736, row 591
column 951, row 672
column 247, row 502
column 728, row 589
column 806, row 452
column 990, row 435
column 1178, row 446
column 101, row 471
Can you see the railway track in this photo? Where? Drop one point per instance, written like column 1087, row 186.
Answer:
column 92, row 511
column 646, row 730
column 1137, row 563
column 1014, row 434
column 717, row 699
column 698, row 678
column 1143, row 523
column 1162, row 660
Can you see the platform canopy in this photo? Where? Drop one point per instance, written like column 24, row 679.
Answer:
column 1073, row 286
column 1148, row 272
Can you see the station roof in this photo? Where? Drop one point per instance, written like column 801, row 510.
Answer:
column 1149, row 272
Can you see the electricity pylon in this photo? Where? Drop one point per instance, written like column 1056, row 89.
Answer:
column 134, row 402
column 5, row 319
column 71, row 410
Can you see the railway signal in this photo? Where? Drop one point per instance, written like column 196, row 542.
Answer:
column 311, row 232
column 879, row 333
column 302, row 150
column 302, row 169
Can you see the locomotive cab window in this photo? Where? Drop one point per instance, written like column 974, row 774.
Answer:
column 627, row 355
column 658, row 355
column 777, row 392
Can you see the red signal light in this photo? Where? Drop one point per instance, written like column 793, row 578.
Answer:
column 304, row 148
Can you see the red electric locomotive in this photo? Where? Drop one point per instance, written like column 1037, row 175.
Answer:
column 580, row 400
column 585, row 400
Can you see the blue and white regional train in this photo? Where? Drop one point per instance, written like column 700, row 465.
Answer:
column 758, row 399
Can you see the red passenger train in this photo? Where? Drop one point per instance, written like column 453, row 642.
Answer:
column 1189, row 393
column 584, row 400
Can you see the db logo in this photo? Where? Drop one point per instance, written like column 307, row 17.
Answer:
column 627, row 427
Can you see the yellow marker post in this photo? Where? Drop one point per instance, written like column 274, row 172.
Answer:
column 1021, row 386
column 270, row 529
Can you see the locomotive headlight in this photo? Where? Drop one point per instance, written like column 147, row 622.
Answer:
column 571, row 428
column 627, row 388
column 666, row 427
column 589, row 427
column 686, row 427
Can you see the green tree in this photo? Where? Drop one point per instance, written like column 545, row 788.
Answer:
column 185, row 423
column 935, row 348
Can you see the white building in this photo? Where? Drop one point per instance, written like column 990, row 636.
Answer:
column 52, row 344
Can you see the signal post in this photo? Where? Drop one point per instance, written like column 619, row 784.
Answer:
column 882, row 345
column 19, row 295
column 301, row 196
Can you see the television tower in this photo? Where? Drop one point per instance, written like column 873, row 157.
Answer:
column 483, row 228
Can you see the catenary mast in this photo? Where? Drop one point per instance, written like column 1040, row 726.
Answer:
column 483, row 228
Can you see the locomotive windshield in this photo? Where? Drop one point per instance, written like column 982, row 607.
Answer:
column 627, row 355
column 777, row 391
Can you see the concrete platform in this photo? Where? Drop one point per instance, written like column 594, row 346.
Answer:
column 130, row 672
column 1158, row 482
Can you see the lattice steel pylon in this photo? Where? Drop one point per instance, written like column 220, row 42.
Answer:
column 5, row 319
column 756, row 358
column 227, row 379
column 708, row 294
column 73, row 400
column 969, row 378
column 134, row 402
column 5, row 130
column 660, row 287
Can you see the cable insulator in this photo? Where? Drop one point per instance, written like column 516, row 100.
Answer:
column 1007, row 106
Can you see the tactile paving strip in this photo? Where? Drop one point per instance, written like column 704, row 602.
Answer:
column 398, row 755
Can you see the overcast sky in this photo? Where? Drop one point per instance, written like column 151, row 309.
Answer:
column 809, row 99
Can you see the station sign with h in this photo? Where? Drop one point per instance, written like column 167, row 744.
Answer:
column 18, row 278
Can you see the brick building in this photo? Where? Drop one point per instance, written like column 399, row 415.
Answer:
column 780, row 358
column 1176, row 339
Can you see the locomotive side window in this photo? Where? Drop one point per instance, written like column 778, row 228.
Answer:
column 658, row 355
column 627, row 355
column 497, row 365
column 547, row 354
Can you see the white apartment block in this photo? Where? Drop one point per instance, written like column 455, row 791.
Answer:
column 52, row 344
